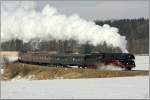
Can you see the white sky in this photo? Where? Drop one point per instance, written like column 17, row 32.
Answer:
column 101, row 10
column 96, row 10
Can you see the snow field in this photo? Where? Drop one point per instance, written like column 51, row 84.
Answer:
column 142, row 62
column 102, row 88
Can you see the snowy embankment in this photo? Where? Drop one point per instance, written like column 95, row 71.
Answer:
column 97, row 88
column 9, row 59
column 8, row 56
column 6, row 59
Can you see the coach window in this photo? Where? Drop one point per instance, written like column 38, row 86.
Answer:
column 46, row 57
column 57, row 59
column 73, row 59
column 65, row 59
column 78, row 59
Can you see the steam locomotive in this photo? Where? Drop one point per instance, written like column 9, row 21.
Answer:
column 92, row 60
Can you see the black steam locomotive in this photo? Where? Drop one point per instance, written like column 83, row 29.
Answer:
column 93, row 60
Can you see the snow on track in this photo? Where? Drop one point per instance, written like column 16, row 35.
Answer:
column 97, row 88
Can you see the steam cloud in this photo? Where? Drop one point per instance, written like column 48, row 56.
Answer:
column 109, row 67
column 26, row 23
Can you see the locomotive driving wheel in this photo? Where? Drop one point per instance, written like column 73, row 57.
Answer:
column 128, row 68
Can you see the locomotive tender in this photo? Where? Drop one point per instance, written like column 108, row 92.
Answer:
column 93, row 60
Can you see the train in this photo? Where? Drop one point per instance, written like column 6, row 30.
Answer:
column 92, row 60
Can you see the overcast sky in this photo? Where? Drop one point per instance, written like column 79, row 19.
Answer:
column 99, row 10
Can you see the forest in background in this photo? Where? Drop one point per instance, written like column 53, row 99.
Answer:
column 135, row 30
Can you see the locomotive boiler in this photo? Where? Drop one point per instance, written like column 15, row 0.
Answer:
column 92, row 60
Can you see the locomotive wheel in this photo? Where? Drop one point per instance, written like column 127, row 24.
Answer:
column 128, row 68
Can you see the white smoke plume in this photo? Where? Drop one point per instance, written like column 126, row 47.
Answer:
column 26, row 23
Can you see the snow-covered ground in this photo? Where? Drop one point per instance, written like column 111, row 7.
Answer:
column 8, row 58
column 96, row 88
column 142, row 62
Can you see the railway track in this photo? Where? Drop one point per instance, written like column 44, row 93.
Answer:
column 37, row 72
